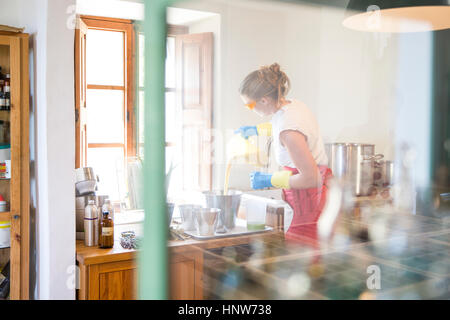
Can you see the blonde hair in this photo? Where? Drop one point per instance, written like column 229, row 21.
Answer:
column 267, row 81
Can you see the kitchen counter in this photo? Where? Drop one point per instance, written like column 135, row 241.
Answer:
column 373, row 252
column 111, row 273
column 95, row 255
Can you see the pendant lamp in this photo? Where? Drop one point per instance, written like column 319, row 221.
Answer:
column 397, row 15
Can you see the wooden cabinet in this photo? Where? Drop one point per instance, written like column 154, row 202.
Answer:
column 14, row 61
column 111, row 274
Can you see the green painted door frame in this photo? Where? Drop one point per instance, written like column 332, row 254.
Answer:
column 153, row 258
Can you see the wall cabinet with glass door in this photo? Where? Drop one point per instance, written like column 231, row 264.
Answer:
column 14, row 166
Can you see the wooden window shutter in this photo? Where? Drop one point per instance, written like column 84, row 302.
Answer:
column 80, row 94
column 194, row 63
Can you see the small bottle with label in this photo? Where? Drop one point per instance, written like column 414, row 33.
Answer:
column 107, row 231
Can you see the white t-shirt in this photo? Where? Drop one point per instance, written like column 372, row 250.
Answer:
column 297, row 116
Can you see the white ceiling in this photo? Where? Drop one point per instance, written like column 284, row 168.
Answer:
column 134, row 10
column 186, row 16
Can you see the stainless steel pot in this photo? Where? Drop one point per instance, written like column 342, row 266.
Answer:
column 384, row 173
column 353, row 163
column 337, row 158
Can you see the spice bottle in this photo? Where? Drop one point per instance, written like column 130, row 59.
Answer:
column 107, row 231
column 91, row 224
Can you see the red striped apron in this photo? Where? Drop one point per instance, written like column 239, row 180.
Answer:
column 307, row 205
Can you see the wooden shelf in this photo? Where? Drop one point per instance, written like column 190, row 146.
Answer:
column 5, row 216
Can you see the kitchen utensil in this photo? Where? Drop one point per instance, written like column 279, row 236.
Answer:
column 357, row 161
column 363, row 177
column 86, row 181
column 206, row 220
column 86, row 173
column 387, row 173
column 85, row 187
column 337, row 158
column 228, row 204
column 351, row 163
column 188, row 216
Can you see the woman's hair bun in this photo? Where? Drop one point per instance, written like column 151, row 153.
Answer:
column 275, row 67
column 266, row 81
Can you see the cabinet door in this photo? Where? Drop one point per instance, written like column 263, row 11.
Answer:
column 186, row 276
column 113, row 281
column 118, row 285
column 182, row 280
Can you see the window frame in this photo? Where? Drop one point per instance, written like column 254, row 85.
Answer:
column 172, row 31
column 127, row 27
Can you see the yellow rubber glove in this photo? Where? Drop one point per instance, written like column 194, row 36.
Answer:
column 264, row 129
column 280, row 179
column 261, row 180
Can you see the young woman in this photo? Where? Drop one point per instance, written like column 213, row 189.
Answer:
column 298, row 147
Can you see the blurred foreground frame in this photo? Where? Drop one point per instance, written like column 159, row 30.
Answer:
column 153, row 258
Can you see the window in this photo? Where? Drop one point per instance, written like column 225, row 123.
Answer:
column 110, row 133
column 105, row 121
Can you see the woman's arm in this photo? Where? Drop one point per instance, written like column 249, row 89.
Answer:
column 309, row 176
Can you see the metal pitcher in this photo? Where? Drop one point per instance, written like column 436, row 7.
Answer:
column 228, row 205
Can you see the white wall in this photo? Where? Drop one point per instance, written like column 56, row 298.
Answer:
column 349, row 79
column 56, row 221
column 52, row 143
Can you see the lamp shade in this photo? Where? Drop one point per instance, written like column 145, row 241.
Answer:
column 397, row 15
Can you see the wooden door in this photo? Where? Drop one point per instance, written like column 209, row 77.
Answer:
column 80, row 94
column 194, row 63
